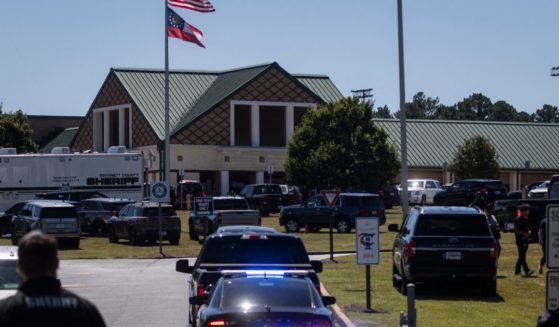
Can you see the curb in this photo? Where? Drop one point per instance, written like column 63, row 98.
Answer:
column 337, row 310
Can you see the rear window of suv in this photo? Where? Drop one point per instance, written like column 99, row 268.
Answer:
column 154, row 212
column 230, row 204
column 494, row 185
column 455, row 225
column 62, row 212
column 258, row 251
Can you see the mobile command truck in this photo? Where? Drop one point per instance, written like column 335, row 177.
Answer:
column 116, row 174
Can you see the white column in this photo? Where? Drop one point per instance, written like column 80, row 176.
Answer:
column 224, row 177
column 512, row 181
column 106, row 129
column 259, row 177
column 97, row 131
column 121, row 131
column 289, row 123
column 255, row 125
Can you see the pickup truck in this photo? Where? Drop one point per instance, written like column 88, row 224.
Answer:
column 244, row 251
column 505, row 212
column 225, row 211
column 268, row 198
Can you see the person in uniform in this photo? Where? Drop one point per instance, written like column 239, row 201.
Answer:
column 41, row 300
column 522, row 234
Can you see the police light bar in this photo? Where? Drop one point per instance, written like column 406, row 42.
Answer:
column 254, row 237
column 265, row 273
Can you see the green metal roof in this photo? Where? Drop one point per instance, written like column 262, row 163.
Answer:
column 63, row 139
column 432, row 142
column 193, row 93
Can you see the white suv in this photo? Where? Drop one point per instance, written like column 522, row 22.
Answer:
column 422, row 191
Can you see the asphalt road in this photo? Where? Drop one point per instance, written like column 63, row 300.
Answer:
column 132, row 292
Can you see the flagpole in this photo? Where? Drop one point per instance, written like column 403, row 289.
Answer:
column 167, row 160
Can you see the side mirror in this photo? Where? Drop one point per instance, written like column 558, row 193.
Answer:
column 328, row 300
column 182, row 266
column 198, row 299
column 316, row 265
column 393, row 228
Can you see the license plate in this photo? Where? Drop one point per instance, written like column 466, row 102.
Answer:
column 453, row 256
column 509, row 226
column 59, row 225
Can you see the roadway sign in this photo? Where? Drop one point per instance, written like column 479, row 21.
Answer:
column 367, row 240
column 330, row 196
column 159, row 192
column 203, row 205
column 552, row 237
column 552, row 290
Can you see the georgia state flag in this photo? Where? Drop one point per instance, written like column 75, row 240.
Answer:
column 177, row 27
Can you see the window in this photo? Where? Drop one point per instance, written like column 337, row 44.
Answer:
column 272, row 126
column 352, row 201
column 58, row 212
column 439, row 225
column 243, row 125
column 430, row 184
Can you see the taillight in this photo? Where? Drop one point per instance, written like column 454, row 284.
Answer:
column 410, row 249
column 320, row 323
column 264, row 201
column 483, row 190
column 493, row 250
column 215, row 323
column 218, row 219
column 318, row 288
column 518, row 213
column 200, row 290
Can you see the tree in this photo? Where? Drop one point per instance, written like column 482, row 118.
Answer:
column 524, row 117
column 501, row 111
column 474, row 107
column 338, row 145
column 382, row 112
column 15, row 132
column 421, row 107
column 476, row 158
column 547, row 114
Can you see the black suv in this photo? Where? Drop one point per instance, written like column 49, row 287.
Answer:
column 245, row 251
column 95, row 213
column 465, row 192
column 315, row 214
column 445, row 243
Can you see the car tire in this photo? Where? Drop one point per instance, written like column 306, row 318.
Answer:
column 343, row 225
column 174, row 240
column 423, row 200
column 112, row 236
column 133, row 237
column 395, row 281
column 191, row 234
column 403, row 282
column 489, row 288
column 98, row 229
column 14, row 237
column 291, row 225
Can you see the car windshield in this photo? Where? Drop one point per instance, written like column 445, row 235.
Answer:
column 452, row 225
column 230, row 204
column 254, row 250
column 273, row 292
column 9, row 279
column 114, row 206
column 543, row 185
column 154, row 212
column 58, row 212
column 417, row 184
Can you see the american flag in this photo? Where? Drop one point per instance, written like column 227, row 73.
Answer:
column 197, row 5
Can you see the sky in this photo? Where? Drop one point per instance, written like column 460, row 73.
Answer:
column 55, row 55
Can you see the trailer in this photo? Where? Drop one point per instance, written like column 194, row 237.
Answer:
column 117, row 173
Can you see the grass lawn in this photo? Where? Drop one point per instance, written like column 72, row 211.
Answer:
column 519, row 302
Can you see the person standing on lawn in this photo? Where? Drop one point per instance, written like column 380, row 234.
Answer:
column 522, row 235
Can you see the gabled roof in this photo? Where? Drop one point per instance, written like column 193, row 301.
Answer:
column 193, row 93
column 63, row 139
column 432, row 142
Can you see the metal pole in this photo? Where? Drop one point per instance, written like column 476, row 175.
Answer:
column 403, row 140
column 332, row 236
column 167, row 161
column 411, row 306
column 160, row 228
column 368, row 286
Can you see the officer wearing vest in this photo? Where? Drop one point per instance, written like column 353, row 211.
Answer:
column 41, row 300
